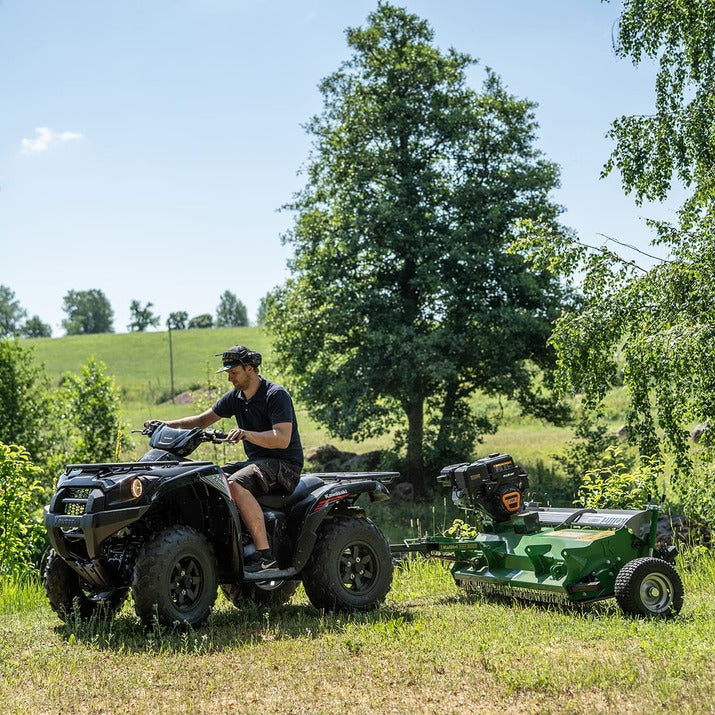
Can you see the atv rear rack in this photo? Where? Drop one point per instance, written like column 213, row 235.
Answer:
column 382, row 477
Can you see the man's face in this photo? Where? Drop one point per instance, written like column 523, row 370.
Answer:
column 240, row 376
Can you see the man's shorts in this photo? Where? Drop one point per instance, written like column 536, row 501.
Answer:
column 265, row 476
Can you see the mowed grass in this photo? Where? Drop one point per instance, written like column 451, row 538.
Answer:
column 428, row 649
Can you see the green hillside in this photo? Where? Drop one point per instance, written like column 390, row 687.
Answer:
column 140, row 365
column 140, row 362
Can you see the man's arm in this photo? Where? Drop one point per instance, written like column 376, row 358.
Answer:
column 276, row 438
column 203, row 420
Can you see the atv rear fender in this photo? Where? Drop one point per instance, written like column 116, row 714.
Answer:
column 334, row 499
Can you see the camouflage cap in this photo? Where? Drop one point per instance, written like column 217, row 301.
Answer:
column 239, row 355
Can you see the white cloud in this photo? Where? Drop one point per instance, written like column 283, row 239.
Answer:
column 45, row 137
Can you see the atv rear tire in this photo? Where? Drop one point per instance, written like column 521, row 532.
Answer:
column 350, row 568
column 69, row 595
column 175, row 578
column 649, row 587
column 264, row 593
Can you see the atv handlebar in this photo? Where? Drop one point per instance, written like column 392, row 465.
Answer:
column 207, row 435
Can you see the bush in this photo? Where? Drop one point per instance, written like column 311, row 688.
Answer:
column 20, row 535
column 90, row 406
column 617, row 485
column 21, row 396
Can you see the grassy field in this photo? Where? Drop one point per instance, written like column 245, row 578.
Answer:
column 429, row 649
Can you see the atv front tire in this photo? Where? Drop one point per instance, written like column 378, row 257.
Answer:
column 69, row 594
column 649, row 587
column 175, row 578
column 350, row 568
column 264, row 593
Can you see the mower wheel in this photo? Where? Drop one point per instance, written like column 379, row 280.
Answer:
column 264, row 593
column 69, row 595
column 649, row 587
column 350, row 568
column 175, row 578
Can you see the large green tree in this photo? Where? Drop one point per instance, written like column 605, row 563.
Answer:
column 88, row 311
column 402, row 300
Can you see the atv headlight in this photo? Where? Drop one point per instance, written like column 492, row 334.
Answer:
column 136, row 488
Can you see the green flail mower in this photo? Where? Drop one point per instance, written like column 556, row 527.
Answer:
column 560, row 555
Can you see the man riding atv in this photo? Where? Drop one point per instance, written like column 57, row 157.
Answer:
column 268, row 428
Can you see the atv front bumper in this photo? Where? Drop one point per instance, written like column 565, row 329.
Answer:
column 64, row 530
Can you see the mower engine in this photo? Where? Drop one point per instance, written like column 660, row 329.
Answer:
column 493, row 485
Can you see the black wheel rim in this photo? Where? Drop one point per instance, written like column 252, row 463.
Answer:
column 359, row 568
column 186, row 583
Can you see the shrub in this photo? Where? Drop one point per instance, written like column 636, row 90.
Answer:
column 617, row 485
column 19, row 533
column 21, row 396
column 90, row 410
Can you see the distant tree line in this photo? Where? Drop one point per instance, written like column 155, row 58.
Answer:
column 89, row 312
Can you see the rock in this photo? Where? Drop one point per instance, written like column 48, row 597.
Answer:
column 698, row 431
column 328, row 458
column 366, row 462
column 321, row 454
column 184, row 398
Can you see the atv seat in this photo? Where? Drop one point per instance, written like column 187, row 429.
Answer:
column 279, row 501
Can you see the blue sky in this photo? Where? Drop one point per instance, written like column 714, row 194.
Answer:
column 146, row 146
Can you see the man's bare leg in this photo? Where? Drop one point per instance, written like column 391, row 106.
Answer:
column 251, row 513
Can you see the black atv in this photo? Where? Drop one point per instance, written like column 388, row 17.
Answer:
column 166, row 528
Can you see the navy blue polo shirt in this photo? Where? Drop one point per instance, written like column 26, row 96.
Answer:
column 269, row 406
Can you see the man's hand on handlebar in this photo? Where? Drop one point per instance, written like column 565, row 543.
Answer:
column 236, row 435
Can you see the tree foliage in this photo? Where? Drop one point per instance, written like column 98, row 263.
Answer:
column 262, row 312
column 142, row 317
column 91, row 423
column 655, row 326
column 231, row 312
column 88, row 311
column 11, row 313
column 177, row 320
column 677, row 140
column 205, row 320
column 35, row 328
column 21, row 396
column 402, row 299
column 19, row 532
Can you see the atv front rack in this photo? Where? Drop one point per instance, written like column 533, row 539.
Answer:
column 119, row 467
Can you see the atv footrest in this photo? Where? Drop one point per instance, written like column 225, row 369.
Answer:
column 271, row 575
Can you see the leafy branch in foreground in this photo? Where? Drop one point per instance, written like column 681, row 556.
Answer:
column 658, row 326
